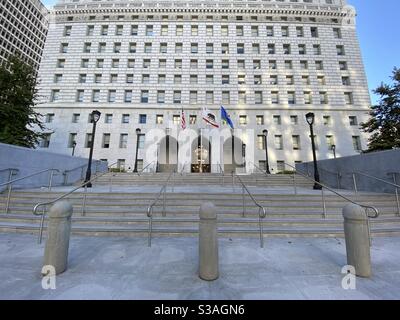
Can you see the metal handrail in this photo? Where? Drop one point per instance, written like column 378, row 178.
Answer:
column 376, row 215
column 381, row 180
column 262, row 213
column 153, row 204
column 65, row 173
column 10, row 183
column 41, row 204
column 141, row 171
column 257, row 167
column 9, row 169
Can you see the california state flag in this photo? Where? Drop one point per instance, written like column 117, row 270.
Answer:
column 209, row 117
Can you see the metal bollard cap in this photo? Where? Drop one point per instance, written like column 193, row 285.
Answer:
column 61, row 209
column 208, row 211
column 354, row 212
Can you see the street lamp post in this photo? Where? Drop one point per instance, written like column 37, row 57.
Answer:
column 267, row 171
column 73, row 148
column 244, row 154
column 334, row 151
column 95, row 118
column 310, row 117
column 158, row 154
column 138, row 131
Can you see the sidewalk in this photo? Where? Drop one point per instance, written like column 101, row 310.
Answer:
column 125, row 268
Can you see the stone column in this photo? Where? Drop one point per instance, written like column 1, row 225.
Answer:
column 356, row 230
column 208, row 243
column 59, row 229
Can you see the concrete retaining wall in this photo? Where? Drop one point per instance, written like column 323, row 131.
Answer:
column 29, row 161
column 378, row 164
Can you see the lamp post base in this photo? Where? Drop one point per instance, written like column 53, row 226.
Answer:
column 317, row 186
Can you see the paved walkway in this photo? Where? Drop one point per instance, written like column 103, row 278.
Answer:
column 125, row 268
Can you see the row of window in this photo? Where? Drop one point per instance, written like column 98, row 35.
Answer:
column 176, row 119
column 210, row 30
column 209, row 48
column 207, row 63
column 240, row 79
column 123, row 141
column 175, row 97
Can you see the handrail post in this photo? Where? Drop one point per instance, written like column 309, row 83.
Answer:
column 355, row 183
column 323, row 203
column 338, row 179
column 41, row 225
column 261, row 228
column 164, row 197
column 150, row 228
column 294, row 184
column 84, row 201
column 51, row 179
column 8, row 196
column 244, row 207
column 397, row 195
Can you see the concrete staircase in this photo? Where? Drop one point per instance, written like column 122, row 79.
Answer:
column 122, row 212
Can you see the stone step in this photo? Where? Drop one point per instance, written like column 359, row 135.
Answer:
column 191, row 221
column 222, row 231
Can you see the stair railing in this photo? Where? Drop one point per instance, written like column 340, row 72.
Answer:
column 395, row 185
column 366, row 208
column 150, row 208
column 262, row 213
column 11, row 182
column 84, row 198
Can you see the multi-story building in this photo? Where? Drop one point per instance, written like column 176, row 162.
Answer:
column 141, row 63
column 23, row 30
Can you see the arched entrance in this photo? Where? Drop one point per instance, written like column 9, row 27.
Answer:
column 201, row 155
column 235, row 159
column 167, row 154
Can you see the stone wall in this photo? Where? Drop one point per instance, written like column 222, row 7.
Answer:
column 29, row 161
column 337, row 173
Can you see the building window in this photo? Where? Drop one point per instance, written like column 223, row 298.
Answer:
column 296, row 142
column 45, row 141
column 144, row 97
column 108, row 118
column 193, row 97
column 123, row 141
column 88, row 140
column 327, row 120
column 348, row 97
column 55, row 95
column 159, row 119
column 49, row 117
column 294, row 120
column 353, row 120
column 177, row 97
column 106, row 141
column 176, row 120
column 260, row 120
column 192, row 119
column 128, row 96
column 142, row 118
column 125, row 118
column 278, row 141
column 75, row 117
column 357, row 143
column 261, row 142
column 72, row 140
column 160, row 96
column 80, row 95
column 243, row 120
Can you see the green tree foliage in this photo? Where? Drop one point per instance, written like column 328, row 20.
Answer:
column 18, row 93
column 384, row 124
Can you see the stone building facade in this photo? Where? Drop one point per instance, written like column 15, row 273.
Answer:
column 141, row 63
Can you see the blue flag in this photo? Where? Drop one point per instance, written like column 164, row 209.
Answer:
column 225, row 117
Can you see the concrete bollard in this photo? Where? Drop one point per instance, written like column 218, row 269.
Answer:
column 59, row 229
column 357, row 239
column 208, row 243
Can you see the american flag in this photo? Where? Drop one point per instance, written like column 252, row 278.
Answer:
column 183, row 120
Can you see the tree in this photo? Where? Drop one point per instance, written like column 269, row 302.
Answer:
column 384, row 124
column 18, row 93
